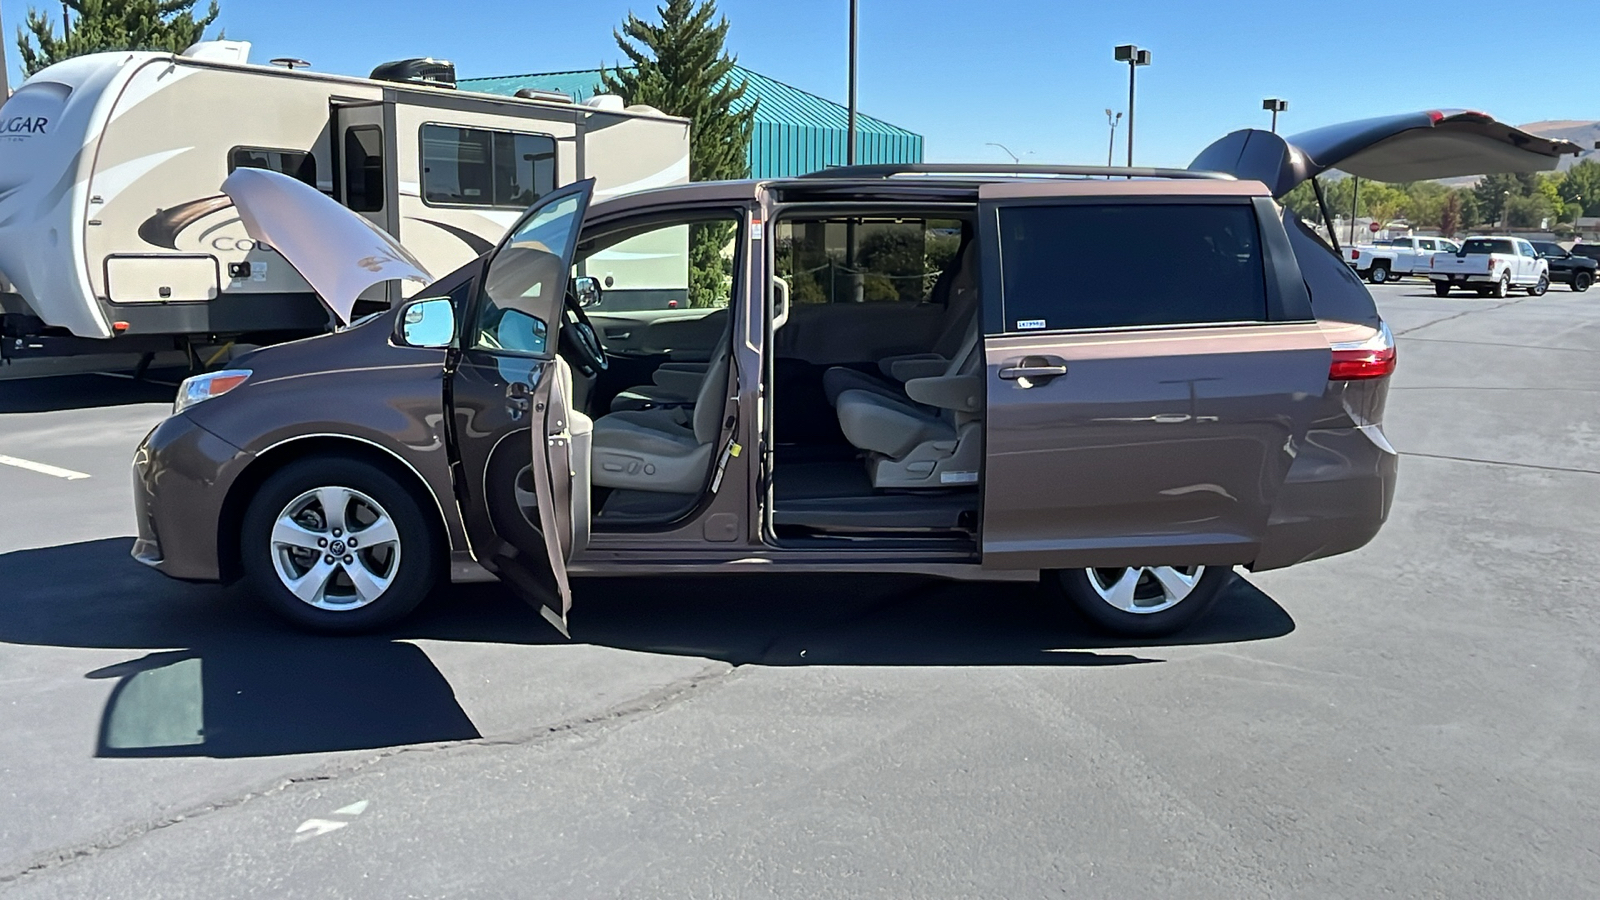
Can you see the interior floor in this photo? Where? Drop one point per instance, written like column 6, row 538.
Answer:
column 813, row 494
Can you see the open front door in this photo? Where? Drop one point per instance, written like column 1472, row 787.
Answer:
column 521, row 464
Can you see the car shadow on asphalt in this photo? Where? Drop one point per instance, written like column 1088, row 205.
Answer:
column 244, row 684
column 86, row 391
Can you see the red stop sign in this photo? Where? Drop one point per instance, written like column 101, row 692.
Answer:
column 1374, row 227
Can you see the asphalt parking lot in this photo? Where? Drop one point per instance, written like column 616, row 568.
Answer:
column 1415, row 718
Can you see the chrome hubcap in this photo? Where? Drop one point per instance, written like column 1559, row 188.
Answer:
column 1145, row 589
column 335, row 548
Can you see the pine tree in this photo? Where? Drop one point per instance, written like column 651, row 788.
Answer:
column 100, row 25
column 680, row 67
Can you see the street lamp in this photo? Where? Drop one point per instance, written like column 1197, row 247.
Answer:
column 1014, row 158
column 1505, row 210
column 1111, row 146
column 1275, row 106
column 1134, row 57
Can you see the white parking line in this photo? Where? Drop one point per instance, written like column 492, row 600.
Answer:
column 41, row 468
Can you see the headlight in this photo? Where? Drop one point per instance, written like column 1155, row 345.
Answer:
column 204, row 387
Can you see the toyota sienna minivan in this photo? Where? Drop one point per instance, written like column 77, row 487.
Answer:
column 960, row 371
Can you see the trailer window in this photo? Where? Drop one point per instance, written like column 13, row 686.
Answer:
column 478, row 167
column 293, row 163
column 363, row 168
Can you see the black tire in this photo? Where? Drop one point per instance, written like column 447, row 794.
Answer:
column 411, row 572
column 1441, row 288
column 1581, row 281
column 1540, row 286
column 1075, row 586
column 1502, row 288
column 1379, row 273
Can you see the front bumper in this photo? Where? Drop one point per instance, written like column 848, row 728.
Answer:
column 181, row 475
column 1335, row 500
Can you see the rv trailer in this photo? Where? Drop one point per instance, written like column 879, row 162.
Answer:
column 116, row 237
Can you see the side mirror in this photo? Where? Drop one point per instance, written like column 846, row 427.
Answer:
column 587, row 290
column 426, row 322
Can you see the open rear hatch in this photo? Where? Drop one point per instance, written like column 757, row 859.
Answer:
column 1407, row 147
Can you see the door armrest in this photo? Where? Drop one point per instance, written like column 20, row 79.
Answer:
column 907, row 368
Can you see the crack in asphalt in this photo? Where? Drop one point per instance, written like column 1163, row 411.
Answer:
column 1465, row 312
column 1501, row 462
column 626, row 712
column 1428, row 340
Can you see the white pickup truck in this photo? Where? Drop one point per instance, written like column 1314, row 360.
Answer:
column 1491, row 266
column 1402, row 256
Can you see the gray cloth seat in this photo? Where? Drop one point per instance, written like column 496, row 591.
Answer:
column 957, row 290
column 929, row 438
column 665, row 450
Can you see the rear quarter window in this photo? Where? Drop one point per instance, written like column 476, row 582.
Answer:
column 1112, row 266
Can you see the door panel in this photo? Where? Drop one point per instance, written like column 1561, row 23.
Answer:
column 1161, row 446
column 513, row 429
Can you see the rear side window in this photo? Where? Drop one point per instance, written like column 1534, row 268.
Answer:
column 477, row 167
column 293, row 163
column 1112, row 266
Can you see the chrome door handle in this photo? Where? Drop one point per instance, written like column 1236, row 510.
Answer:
column 1013, row 373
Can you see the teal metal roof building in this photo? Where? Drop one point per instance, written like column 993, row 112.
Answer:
column 795, row 132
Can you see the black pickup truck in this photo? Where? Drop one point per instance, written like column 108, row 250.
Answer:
column 1574, row 268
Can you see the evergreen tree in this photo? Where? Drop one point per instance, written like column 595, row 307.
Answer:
column 100, row 25
column 679, row 66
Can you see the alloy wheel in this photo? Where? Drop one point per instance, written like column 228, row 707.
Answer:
column 335, row 548
column 1144, row 589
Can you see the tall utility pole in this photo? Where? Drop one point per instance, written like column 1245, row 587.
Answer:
column 850, row 149
column 5, row 83
column 1111, row 147
column 1275, row 106
column 1134, row 57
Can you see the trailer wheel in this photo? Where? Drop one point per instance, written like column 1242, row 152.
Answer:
column 1581, row 281
column 1379, row 273
column 1441, row 288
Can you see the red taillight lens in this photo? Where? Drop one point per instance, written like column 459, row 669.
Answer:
column 1354, row 253
column 1360, row 360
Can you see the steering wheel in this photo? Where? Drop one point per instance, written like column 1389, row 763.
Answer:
column 579, row 340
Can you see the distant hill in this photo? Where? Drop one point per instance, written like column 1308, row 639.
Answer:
column 1584, row 134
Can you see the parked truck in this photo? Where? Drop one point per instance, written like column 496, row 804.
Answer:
column 1378, row 263
column 1490, row 266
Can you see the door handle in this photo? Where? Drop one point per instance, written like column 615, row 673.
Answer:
column 519, row 399
column 1032, row 368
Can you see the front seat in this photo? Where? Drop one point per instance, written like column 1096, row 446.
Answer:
column 957, row 289
column 932, row 437
column 664, row 450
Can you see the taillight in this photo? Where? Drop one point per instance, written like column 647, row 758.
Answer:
column 1491, row 264
column 1354, row 253
column 1360, row 360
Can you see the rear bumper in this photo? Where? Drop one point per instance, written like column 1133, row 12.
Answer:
column 1335, row 500
column 181, row 474
column 1482, row 278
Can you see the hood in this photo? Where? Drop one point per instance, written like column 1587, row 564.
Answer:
column 1407, row 147
column 338, row 252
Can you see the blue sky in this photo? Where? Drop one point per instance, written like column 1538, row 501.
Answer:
column 1033, row 75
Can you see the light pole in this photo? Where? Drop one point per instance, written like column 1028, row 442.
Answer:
column 1275, row 106
column 850, row 149
column 1505, row 210
column 1014, row 158
column 1111, row 146
column 1134, row 57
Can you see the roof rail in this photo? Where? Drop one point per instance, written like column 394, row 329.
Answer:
column 888, row 170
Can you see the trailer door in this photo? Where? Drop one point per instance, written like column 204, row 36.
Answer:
column 363, row 171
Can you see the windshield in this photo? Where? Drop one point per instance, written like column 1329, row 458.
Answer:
column 1486, row 245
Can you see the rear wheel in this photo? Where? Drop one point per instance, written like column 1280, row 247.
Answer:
column 1379, row 273
column 1441, row 288
column 1502, row 288
column 1581, row 281
column 1540, row 286
column 337, row 545
column 1143, row 601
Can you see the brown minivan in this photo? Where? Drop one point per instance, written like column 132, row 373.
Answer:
column 1128, row 381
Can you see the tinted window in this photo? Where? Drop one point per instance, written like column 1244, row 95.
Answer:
column 1093, row 266
column 866, row 259
column 1485, row 245
column 1549, row 249
column 294, row 163
column 476, row 167
column 363, row 168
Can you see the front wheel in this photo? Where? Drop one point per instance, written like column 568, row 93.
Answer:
column 1581, row 281
column 336, row 545
column 1143, row 601
column 1540, row 286
column 1441, row 288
